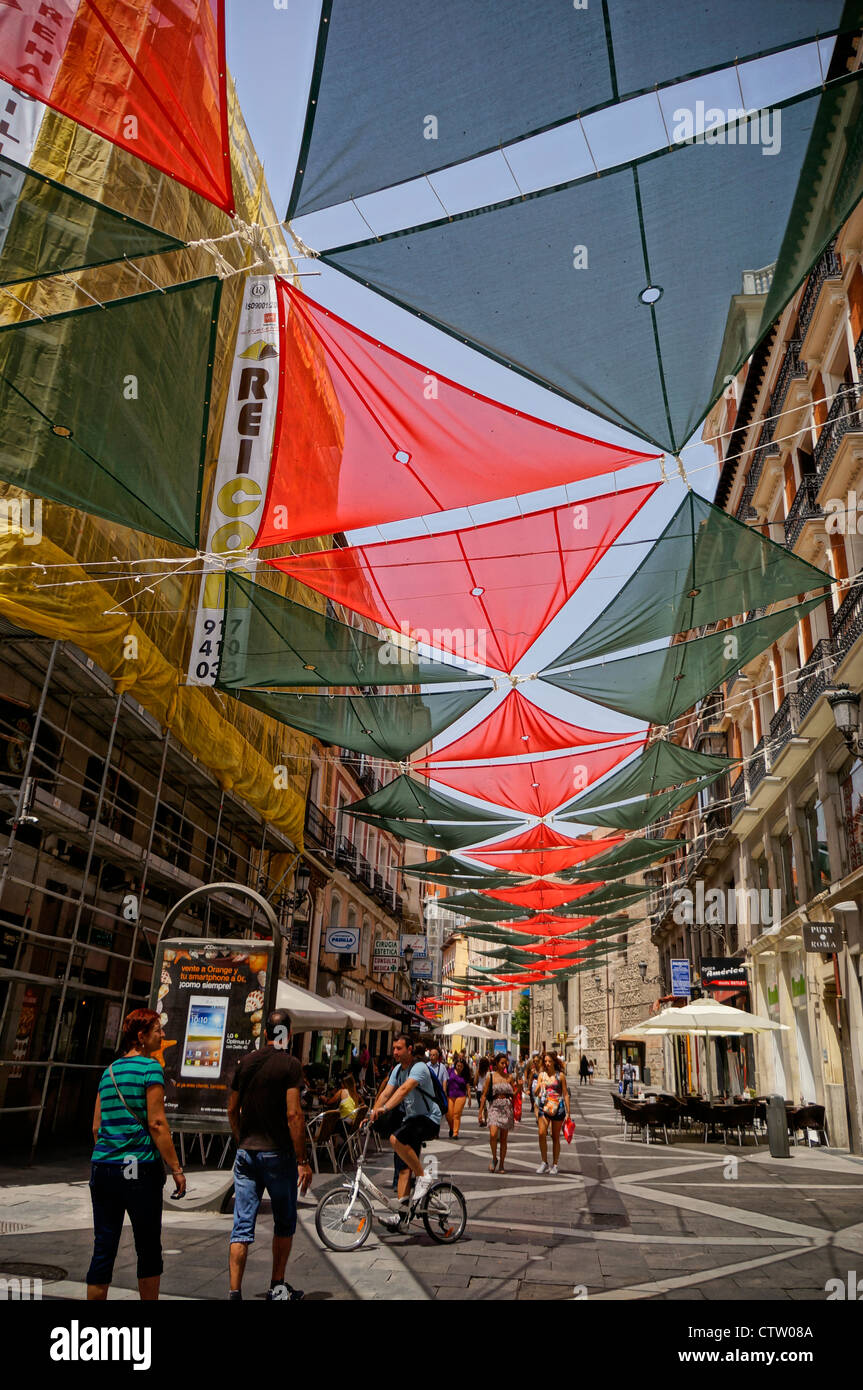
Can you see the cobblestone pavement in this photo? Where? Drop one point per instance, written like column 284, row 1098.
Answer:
column 622, row 1220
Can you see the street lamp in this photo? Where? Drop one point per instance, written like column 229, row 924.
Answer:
column 845, row 706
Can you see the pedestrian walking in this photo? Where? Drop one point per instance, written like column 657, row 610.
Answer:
column 364, row 1060
column 531, row 1080
column 583, row 1070
column 457, row 1094
column 552, row 1109
column 439, row 1067
column 132, row 1143
column 270, row 1132
column 591, row 1068
column 497, row 1102
column 482, row 1070
column 627, row 1077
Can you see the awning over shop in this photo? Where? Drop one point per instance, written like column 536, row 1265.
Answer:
column 309, row 1011
column 364, row 1017
column 401, row 1013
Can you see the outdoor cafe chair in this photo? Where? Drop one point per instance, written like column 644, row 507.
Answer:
column 737, row 1117
column 806, row 1117
column 321, row 1132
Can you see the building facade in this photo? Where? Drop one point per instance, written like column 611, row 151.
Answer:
column 782, row 841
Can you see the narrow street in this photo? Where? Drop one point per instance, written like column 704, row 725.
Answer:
column 622, row 1220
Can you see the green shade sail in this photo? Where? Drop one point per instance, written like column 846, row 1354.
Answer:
column 406, row 796
column 734, row 208
column 660, row 685
column 387, row 726
column 377, row 72
column 270, row 640
column 663, row 765
column 632, row 861
column 635, row 815
column 474, row 905
column 706, row 565
column 46, row 228
column 611, row 898
column 448, row 870
column 436, row 835
column 106, row 409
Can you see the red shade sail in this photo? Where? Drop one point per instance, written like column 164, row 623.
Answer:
column 547, row 926
column 148, row 76
column 542, row 850
column 426, row 443
column 534, row 787
column 552, row 951
column 540, row 894
column 515, row 728
column 466, row 591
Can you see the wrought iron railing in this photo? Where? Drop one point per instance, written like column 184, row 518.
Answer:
column 320, row 828
column 346, row 855
column 804, row 508
column 842, row 417
column 828, row 267
column 848, row 621
column 814, row 676
column 756, row 768
column 738, row 795
column 792, row 368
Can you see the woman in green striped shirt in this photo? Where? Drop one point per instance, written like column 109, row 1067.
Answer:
column 132, row 1139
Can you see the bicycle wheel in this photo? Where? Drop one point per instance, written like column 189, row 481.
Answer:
column 337, row 1229
column 444, row 1213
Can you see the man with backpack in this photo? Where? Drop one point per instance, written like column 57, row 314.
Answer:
column 413, row 1090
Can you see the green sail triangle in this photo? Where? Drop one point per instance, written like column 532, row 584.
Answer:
column 611, row 898
column 455, row 872
column 660, row 685
column 106, row 408
column 621, row 867
column 635, row 815
column 706, row 565
column 474, row 905
column 663, row 765
column 270, row 640
column 48, row 229
column 437, row 835
column 384, row 726
column 407, row 796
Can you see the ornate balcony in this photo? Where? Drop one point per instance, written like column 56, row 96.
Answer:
column 804, row 508
column 827, row 268
column 738, row 795
column 848, row 621
column 320, row 828
column 815, row 676
column 792, row 369
column 842, row 417
column 756, row 768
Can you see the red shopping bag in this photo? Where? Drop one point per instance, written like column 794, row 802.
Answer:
column 568, row 1129
column 516, row 1105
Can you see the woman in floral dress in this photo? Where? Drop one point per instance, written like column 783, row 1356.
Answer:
column 497, row 1103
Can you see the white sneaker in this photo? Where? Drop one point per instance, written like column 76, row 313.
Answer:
column 421, row 1187
column 543, row 1168
column 553, row 1168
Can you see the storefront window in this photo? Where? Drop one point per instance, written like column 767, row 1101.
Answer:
column 852, row 798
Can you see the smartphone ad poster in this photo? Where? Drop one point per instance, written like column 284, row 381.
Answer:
column 211, row 997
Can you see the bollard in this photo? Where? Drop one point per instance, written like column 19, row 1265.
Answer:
column 777, row 1127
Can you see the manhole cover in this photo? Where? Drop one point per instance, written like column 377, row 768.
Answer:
column 19, row 1269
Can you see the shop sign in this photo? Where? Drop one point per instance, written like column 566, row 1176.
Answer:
column 418, row 944
column 343, row 940
column 385, row 959
column 212, row 997
column 681, row 981
column 822, row 936
column 725, row 971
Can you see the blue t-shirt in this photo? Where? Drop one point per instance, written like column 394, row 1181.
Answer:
column 420, row 1100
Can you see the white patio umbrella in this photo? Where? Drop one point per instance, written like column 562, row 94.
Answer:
column 466, row 1030
column 710, row 1019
